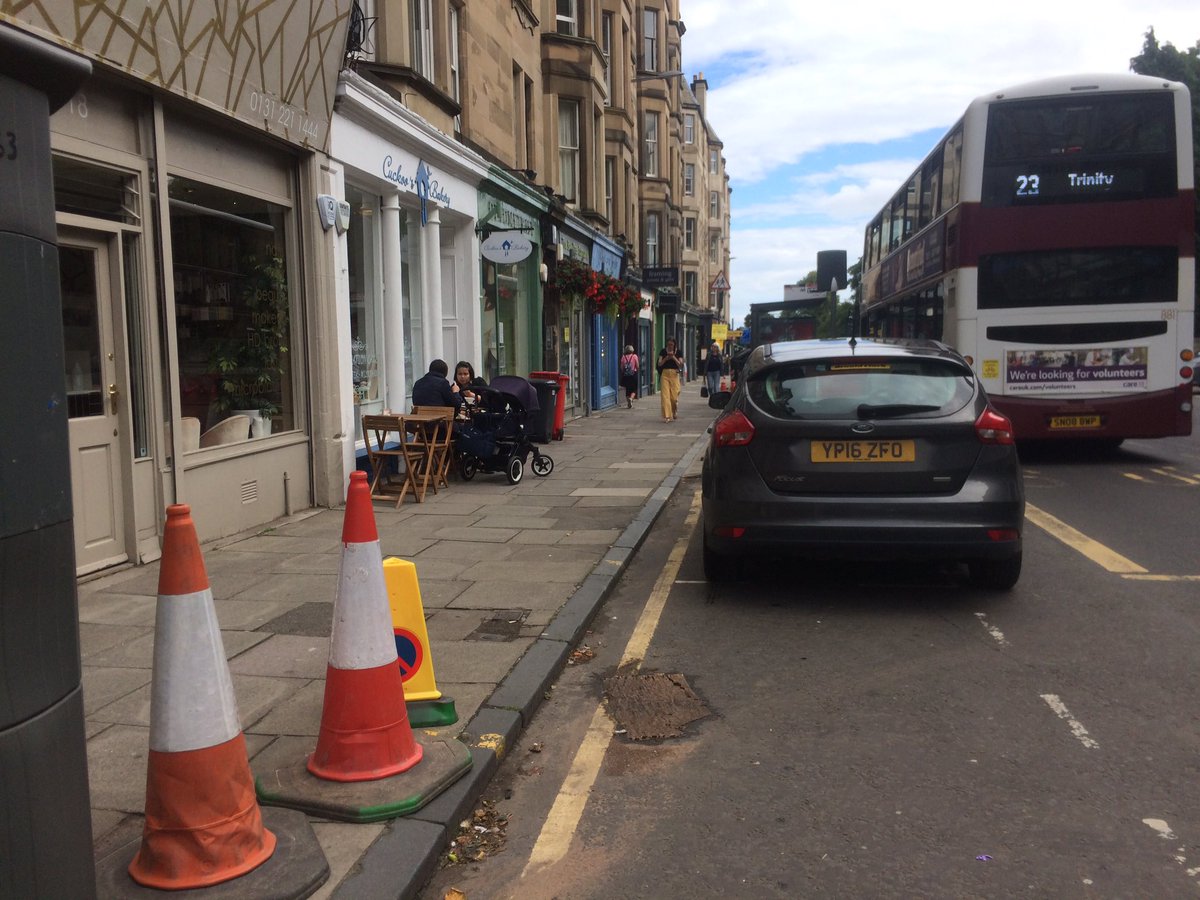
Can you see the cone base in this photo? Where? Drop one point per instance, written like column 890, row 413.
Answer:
column 432, row 713
column 296, row 868
column 444, row 761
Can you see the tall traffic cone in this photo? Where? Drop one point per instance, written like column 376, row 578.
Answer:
column 203, row 824
column 364, row 723
column 365, row 766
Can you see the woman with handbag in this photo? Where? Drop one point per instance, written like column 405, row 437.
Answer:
column 670, row 364
column 629, row 375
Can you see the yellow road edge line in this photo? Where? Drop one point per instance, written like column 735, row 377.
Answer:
column 1135, row 577
column 1077, row 540
column 554, row 840
column 1135, row 477
column 1185, row 479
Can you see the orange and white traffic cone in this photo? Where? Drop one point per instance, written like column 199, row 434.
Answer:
column 203, row 825
column 365, row 766
column 364, row 723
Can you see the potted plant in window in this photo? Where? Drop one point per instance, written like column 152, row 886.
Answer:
column 249, row 364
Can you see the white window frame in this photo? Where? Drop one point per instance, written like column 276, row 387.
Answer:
column 610, row 177
column 422, row 38
column 714, row 161
column 689, row 233
column 650, row 145
column 566, row 17
column 714, row 247
column 690, row 280
column 651, row 239
column 650, row 40
column 714, row 204
column 569, row 147
column 606, row 46
column 689, row 128
column 689, row 179
column 455, row 73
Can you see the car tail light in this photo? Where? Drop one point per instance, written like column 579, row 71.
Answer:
column 1003, row 534
column 993, row 428
column 733, row 430
column 729, row 531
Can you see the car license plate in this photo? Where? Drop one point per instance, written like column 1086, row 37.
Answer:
column 1074, row 421
column 863, row 451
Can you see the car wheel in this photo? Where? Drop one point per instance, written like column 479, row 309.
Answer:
column 717, row 568
column 542, row 465
column 996, row 574
column 467, row 467
column 515, row 470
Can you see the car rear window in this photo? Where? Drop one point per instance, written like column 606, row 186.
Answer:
column 862, row 388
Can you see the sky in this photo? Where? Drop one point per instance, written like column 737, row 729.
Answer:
column 824, row 110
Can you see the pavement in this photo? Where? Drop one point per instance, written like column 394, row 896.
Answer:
column 510, row 577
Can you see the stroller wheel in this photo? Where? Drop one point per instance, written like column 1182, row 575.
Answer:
column 467, row 467
column 515, row 470
column 542, row 465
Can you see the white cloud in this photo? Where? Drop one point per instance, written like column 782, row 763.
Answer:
column 788, row 81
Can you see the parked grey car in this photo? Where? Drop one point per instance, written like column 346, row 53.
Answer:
column 862, row 449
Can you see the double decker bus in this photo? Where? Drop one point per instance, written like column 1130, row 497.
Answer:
column 1049, row 238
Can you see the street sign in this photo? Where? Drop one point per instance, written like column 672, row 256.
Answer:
column 660, row 276
column 409, row 651
column 720, row 283
column 720, row 332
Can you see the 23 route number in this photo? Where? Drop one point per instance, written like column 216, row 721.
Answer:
column 1028, row 185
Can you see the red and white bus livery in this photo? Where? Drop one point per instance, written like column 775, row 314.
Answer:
column 1049, row 237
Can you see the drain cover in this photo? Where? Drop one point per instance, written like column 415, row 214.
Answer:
column 652, row 706
column 504, row 625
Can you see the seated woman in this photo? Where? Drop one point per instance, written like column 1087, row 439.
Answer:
column 464, row 383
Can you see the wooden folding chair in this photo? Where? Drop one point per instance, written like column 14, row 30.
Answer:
column 440, row 440
column 380, row 456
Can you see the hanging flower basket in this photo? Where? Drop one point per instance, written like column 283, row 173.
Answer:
column 603, row 294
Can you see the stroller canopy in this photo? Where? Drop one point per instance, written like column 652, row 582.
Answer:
column 518, row 388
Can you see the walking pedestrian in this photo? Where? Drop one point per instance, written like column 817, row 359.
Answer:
column 713, row 366
column 629, row 375
column 670, row 365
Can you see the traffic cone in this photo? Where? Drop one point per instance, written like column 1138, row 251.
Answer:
column 203, row 824
column 365, row 766
column 427, row 706
column 364, row 723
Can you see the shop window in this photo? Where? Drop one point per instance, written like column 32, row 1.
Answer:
column 366, row 312
column 233, row 307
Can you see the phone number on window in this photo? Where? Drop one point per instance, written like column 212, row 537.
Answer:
column 276, row 112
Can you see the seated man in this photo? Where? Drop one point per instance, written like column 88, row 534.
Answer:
column 433, row 388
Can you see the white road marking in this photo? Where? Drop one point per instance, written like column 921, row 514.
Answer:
column 992, row 630
column 610, row 492
column 1077, row 729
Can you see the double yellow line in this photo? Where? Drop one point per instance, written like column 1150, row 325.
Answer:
column 1103, row 556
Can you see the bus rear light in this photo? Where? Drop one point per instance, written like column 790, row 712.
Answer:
column 1003, row 534
column 1186, row 355
column 729, row 531
column 733, row 430
column 1186, row 373
column 993, row 428
column 970, row 360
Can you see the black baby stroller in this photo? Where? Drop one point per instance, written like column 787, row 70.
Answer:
column 495, row 439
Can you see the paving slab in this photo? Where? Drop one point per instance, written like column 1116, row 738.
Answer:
column 510, row 577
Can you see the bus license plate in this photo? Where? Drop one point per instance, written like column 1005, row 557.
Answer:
column 1075, row 422
column 863, row 451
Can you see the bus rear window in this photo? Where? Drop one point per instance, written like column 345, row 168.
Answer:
column 1079, row 277
column 1080, row 149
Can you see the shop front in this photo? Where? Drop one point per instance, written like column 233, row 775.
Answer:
column 407, row 244
column 181, row 228
column 510, row 264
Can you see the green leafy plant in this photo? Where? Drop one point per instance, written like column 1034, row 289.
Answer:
column 249, row 365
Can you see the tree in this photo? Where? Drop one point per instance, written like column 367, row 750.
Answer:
column 1183, row 66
